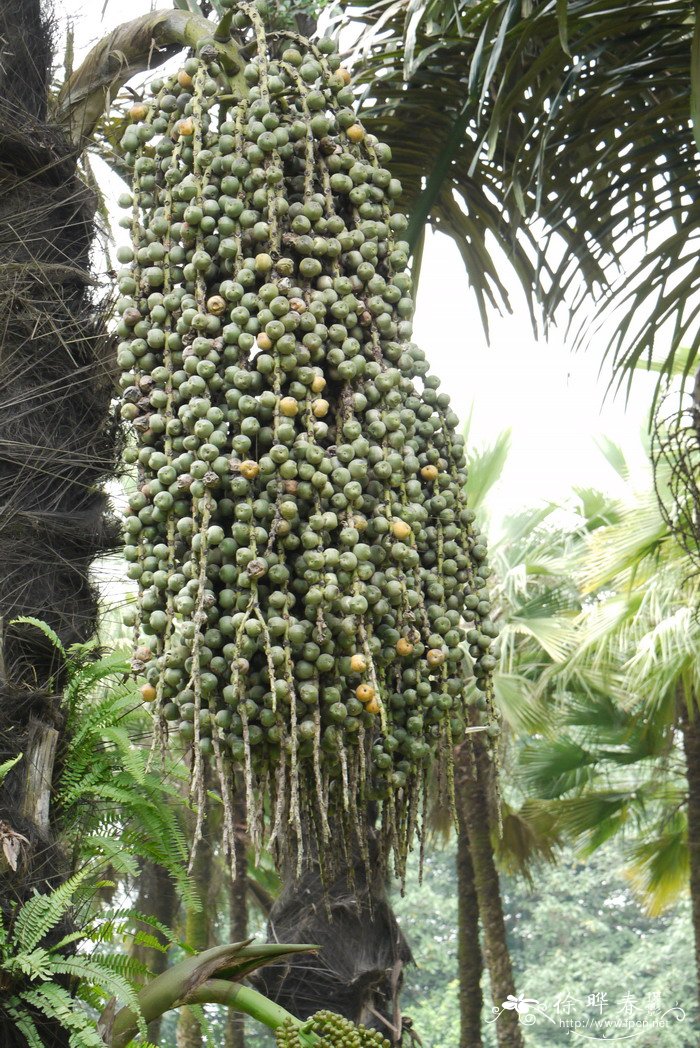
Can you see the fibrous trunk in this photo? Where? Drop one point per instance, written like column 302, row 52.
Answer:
column 55, row 445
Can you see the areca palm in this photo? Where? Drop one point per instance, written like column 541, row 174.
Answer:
column 556, row 134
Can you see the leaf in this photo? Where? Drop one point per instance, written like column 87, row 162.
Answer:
column 8, row 765
column 695, row 80
column 484, row 469
column 12, row 846
column 29, row 620
column 563, row 24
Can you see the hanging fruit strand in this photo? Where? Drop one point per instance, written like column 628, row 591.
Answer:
column 312, row 602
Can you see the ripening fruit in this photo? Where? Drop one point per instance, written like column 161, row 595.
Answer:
column 299, row 519
column 400, row 529
column 365, row 692
column 435, row 657
column 185, row 127
column 289, row 406
column 355, row 133
column 249, row 469
column 263, row 262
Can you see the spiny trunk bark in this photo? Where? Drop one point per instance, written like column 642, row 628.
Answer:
column 238, row 914
column 157, row 898
column 690, row 728
column 470, row 960
column 473, row 785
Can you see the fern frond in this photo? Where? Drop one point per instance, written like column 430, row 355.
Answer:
column 94, row 970
column 24, row 1023
column 43, row 912
column 29, row 620
column 7, row 766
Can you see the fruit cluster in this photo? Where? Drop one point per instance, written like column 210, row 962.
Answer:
column 333, row 1030
column 311, row 591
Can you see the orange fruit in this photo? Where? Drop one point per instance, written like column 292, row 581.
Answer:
column 355, row 133
column 400, row 530
column 289, row 406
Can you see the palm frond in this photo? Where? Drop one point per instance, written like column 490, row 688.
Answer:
column 659, row 863
column 571, row 120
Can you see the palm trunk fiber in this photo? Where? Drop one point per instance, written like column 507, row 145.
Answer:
column 56, row 447
column 473, row 786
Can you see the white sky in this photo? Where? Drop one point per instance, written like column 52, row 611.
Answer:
column 552, row 399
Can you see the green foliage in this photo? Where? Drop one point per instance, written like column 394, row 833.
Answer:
column 115, row 805
column 556, row 135
column 578, row 928
column 41, row 979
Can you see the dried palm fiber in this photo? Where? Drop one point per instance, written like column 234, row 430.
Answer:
column 56, row 440
column 308, row 569
column 358, row 972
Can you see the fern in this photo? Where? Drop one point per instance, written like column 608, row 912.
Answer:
column 43, row 912
column 40, row 975
column 29, row 620
column 112, row 809
column 7, row 766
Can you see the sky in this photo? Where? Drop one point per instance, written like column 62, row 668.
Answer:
column 554, row 401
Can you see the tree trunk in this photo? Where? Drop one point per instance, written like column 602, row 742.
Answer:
column 238, row 913
column 473, row 786
column 470, row 960
column 198, row 929
column 157, row 898
column 689, row 721
column 56, row 447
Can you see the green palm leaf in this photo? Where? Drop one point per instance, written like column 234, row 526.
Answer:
column 568, row 118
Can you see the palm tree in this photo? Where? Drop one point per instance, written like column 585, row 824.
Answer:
column 556, row 136
column 531, row 593
column 619, row 753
